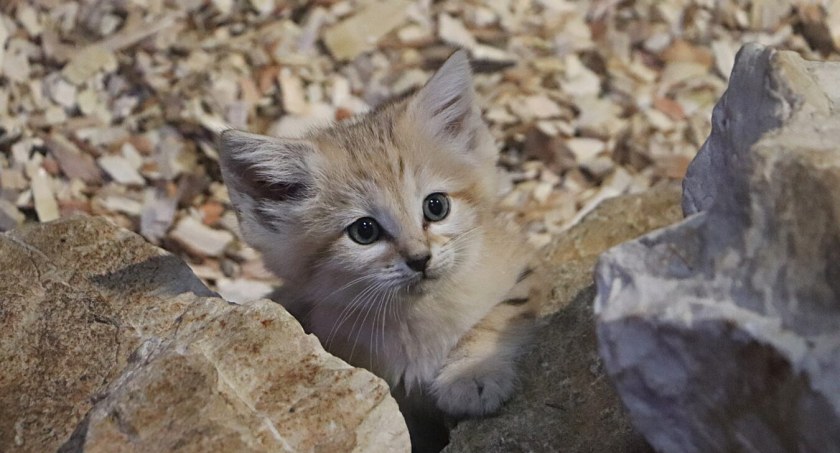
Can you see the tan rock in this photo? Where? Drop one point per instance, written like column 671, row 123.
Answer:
column 612, row 222
column 110, row 336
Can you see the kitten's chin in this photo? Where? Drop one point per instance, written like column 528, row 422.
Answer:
column 423, row 284
column 419, row 288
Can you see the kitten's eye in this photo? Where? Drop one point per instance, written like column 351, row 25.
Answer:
column 436, row 207
column 364, row 231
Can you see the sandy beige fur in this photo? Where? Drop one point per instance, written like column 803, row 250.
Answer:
column 445, row 334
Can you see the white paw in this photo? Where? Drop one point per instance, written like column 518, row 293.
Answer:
column 466, row 388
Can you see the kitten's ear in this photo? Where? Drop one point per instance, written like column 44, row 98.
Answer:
column 265, row 168
column 446, row 103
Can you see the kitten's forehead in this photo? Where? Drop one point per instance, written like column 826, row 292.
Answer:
column 379, row 152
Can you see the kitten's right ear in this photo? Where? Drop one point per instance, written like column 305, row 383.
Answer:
column 446, row 104
column 265, row 168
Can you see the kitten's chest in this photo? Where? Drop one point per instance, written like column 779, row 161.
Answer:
column 404, row 347
column 425, row 344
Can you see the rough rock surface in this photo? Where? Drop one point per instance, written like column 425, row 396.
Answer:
column 721, row 333
column 115, row 341
column 565, row 402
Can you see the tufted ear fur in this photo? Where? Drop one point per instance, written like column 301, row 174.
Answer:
column 446, row 104
column 270, row 182
column 265, row 168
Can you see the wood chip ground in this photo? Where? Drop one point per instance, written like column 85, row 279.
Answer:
column 110, row 107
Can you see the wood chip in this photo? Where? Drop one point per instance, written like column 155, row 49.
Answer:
column 122, row 204
column 4, row 37
column 88, row 62
column 12, row 179
column 454, row 32
column 585, row 149
column 120, row 169
column 157, row 214
column 42, row 194
column 16, row 61
column 724, row 54
column 72, row 161
column 541, row 106
column 62, row 92
column 10, row 216
column 360, row 33
column 243, row 290
column 586, row 99
column 291, row 89
column 211, row 213
column 200, row 239
column 28, row 17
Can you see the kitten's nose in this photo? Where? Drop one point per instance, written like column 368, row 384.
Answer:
column 418, row 263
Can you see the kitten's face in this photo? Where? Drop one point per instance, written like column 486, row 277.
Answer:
column 393, row 201
column 398, row 211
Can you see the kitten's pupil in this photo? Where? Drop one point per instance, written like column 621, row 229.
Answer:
column 436, row 207
column 364, row 231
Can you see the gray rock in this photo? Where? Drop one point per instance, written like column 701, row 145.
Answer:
column 721, row 333
column 564, row 401
column 110, row 344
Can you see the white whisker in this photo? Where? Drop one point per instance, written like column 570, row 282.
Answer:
column 347, row 312
column 361, row 326
column 353, row 282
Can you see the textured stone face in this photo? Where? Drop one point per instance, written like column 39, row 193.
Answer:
column 565, row 402
column 721, row 333
column 112, row 340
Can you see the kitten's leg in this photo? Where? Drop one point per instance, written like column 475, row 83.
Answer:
column 480, row 372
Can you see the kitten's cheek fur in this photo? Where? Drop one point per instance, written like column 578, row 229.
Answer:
column 364, row 257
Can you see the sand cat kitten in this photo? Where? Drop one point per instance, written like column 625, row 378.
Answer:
column 384, row 231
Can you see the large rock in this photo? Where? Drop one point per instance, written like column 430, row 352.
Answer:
column 110, row 344
column 564, row 401
column 722, row 333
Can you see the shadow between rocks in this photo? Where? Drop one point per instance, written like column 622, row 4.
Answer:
column 169, row 273
column 565, row 402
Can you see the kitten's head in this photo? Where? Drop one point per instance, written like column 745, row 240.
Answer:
column 394, row 199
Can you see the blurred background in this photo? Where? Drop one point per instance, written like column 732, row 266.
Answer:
column 110, row 107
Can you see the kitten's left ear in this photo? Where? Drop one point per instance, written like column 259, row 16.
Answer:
column 265, row 168
column 446, row 104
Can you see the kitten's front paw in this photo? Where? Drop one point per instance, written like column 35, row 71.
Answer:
column 467, row 388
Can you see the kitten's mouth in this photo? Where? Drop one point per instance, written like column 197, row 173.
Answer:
column 420, row 282
column 429, row 276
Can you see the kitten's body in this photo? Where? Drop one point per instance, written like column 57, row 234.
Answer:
column 440, row 329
